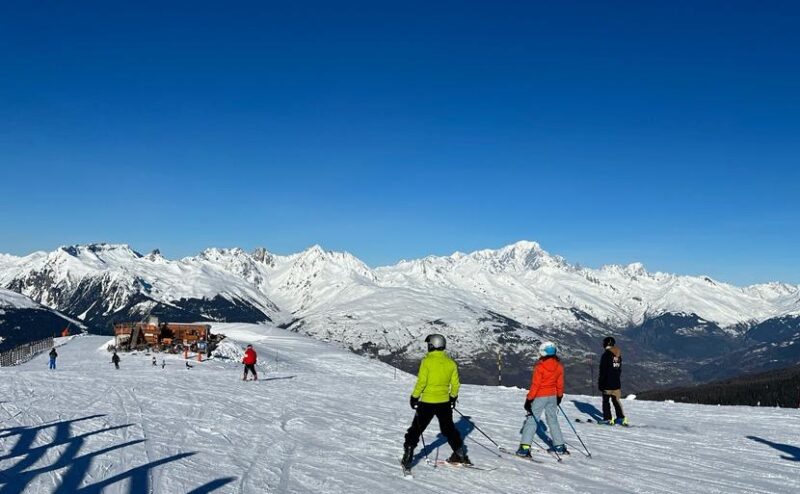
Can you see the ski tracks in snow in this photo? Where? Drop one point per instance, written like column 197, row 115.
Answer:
column 337, row 427
column 286, row 469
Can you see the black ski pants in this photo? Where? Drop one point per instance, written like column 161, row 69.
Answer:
column 612, row 396
column 423, row 417
column 252, row 369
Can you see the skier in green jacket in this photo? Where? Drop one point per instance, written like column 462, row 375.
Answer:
column 435, row 394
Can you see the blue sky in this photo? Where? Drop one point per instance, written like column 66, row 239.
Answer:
column 661, row 132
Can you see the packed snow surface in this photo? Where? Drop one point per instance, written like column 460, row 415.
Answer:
column 324, row 420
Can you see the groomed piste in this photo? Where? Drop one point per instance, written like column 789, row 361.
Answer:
column 323, row 420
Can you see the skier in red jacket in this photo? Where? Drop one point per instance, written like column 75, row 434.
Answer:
column 249, row 362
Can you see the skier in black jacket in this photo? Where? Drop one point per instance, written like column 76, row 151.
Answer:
column 53, row 356
column 609, row 382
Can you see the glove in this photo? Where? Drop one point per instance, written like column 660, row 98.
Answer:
column 413, row 402
column 558, row 400
column 453, row 400
column 528, row 407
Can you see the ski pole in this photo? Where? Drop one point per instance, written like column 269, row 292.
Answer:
column 576, row 432
column 422, row 436
column 487, row 448
column 424, row 447
column 477, row 428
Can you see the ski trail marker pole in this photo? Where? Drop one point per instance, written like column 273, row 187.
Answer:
column 576, row 432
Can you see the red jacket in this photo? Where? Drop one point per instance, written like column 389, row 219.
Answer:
column 547, row 379
column 249, row 357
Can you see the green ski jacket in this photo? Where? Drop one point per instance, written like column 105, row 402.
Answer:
column 437, row 379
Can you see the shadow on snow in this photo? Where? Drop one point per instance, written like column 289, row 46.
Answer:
column 277, row 378
column 464, row 427
column 794, row 451
column 588, row 409
column 37, row 445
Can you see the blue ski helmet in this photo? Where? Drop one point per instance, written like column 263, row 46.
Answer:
column 547, row 349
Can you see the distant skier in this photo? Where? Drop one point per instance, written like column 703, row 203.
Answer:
column 163, row 363
column 53, row 356
column 435, row 394
column 188, row 366
column 545, row 394
column 609, row 382
column 115, row 360
column 249, row 361
column 154, row 361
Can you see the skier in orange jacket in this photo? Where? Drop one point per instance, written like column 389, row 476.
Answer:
column 546, row 391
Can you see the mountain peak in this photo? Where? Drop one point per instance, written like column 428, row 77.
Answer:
column 636, row 269
column 313, row 253
column 524, row 245
column 632, row 270
column 155, row 256
column 315, row 249
column 262, row 255
column 520, row 255
column 98, row 250
column 216, row 253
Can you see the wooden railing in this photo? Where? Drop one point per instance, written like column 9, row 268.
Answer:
column 25, row 352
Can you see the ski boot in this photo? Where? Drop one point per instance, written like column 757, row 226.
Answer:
column 459, row 457
column 622, row 421
column 524, row 451
column 560, row 449
column 408, row 457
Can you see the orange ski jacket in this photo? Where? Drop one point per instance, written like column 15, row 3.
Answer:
column 547, row 379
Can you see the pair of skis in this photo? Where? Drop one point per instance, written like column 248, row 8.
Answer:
column 508, row 452
column 437, row 463
column 591, row 421
column 442, row 463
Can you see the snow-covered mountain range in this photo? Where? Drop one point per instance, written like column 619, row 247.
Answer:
column 489, row 301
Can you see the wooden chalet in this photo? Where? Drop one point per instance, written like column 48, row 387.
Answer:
column 163, row 336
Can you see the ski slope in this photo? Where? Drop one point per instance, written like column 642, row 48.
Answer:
column 323, row 420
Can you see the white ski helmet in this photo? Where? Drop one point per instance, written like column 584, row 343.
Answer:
column 435, row 342
column 547, row 349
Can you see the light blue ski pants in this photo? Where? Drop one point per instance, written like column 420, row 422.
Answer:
column 549, row 405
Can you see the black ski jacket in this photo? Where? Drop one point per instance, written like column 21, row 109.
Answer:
column 610, row 369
